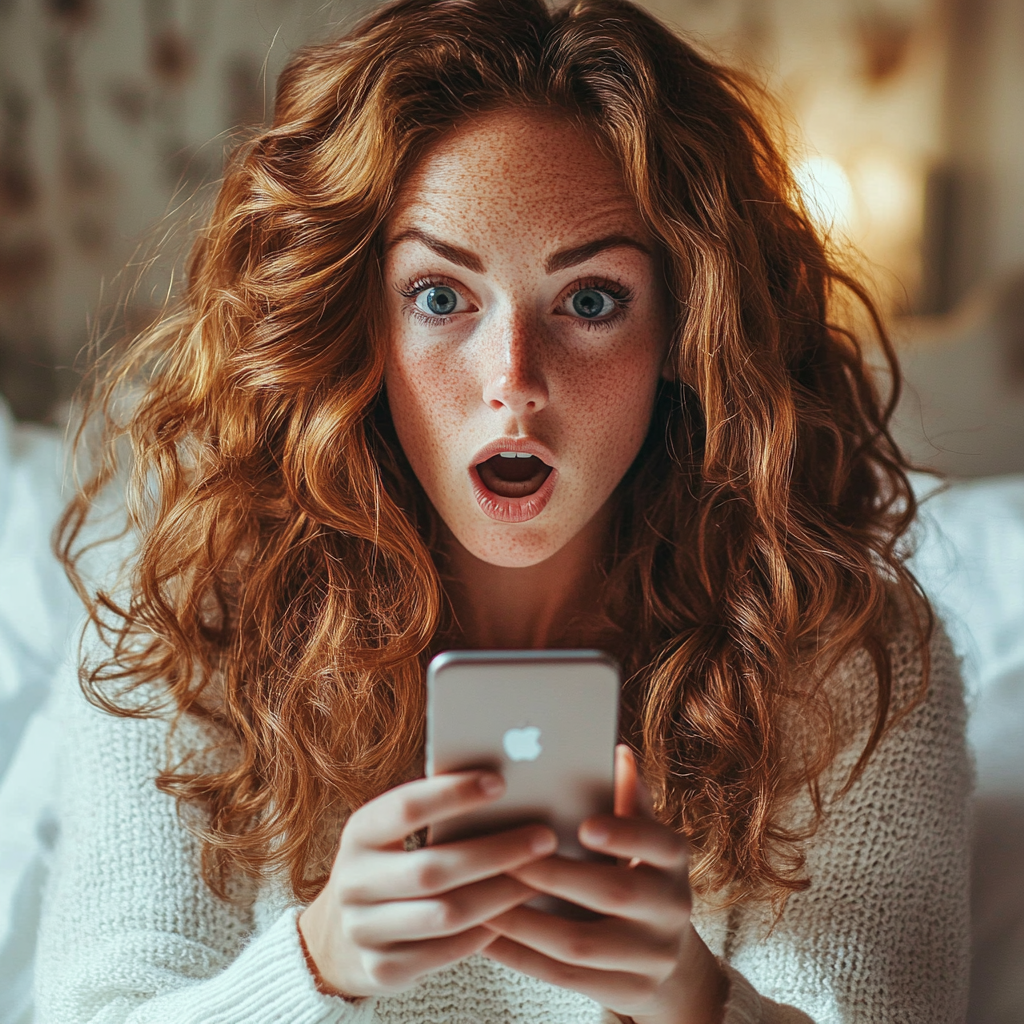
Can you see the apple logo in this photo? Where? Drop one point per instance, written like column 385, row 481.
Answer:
column 522, row 744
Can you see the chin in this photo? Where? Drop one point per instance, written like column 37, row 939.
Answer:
column 511, row 547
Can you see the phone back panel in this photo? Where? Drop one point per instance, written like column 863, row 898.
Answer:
column 546, row 720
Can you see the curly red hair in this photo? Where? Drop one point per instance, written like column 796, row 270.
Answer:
column 285, row 586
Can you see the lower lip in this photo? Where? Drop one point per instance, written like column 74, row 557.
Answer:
column 512, row 510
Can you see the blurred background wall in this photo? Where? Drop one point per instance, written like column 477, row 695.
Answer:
column 907, row 121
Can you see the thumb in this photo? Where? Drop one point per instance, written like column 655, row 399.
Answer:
column 625, row 782
column 632, row 797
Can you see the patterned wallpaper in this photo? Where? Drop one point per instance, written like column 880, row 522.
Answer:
column 114, row 113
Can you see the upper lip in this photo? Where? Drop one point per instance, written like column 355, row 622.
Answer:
column 515, row 444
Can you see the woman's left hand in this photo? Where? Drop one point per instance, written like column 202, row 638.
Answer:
column 642, row 959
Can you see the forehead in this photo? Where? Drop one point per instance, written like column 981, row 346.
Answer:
column 515, row 170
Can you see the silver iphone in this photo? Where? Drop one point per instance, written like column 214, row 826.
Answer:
column 545, row 720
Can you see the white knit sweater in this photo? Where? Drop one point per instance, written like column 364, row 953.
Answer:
column 131, row 934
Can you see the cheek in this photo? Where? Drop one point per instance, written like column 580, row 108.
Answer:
column 426, row 406
column 613, row 402
column 414, row 390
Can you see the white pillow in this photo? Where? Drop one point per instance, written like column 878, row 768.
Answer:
column 37, row 609
column 971, row 562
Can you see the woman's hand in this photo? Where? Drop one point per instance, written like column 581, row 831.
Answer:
column 387, row 916
column 642, row 959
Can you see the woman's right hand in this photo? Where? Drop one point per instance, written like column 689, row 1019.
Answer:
column 388, row 916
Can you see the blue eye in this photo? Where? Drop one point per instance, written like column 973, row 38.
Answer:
column 590, row 303
column 440, row 300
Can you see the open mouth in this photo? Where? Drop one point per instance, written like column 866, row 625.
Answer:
column 513, row 474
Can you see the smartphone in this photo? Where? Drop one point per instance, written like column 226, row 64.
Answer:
column 547, row 721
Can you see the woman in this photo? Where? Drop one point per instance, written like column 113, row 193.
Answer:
column 509, row 332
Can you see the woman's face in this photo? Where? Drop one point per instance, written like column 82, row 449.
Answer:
column 528, row 331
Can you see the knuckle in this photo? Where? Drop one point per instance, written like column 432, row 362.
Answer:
column 358, row 934
column 620, row 893
column 348, row 891
column 643, row 987
column 373, row 966
column 466, row 784
column 383, row 970
column 581, row 947
column 564, row 975
column 429, row 875
column 411, row 812
column 355, row 928
column 443, row 915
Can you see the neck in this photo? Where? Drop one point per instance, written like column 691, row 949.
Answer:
column 532, row 606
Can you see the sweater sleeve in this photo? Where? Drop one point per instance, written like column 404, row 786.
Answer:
column 129, row 932
column 882, row 934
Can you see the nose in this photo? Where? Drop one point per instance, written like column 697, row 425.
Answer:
column 514, row 378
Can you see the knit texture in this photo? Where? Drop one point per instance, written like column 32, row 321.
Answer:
column 131, row 934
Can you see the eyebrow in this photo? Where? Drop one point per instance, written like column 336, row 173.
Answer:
column 561, row 260
column 453, row 253
column 565, row 258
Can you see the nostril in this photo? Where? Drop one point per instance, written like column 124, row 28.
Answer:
column 516, row 392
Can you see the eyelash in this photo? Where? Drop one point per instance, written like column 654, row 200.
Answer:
column 412, row 288
column 622, row 296
column 619, row 292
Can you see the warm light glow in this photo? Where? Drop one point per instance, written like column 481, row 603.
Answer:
column 826, row 192
column 889, row 193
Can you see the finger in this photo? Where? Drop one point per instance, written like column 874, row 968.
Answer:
column 383, row 924
column 386, row 821
column 645, row 894
column 436, row 869
column 625, row 781
column 404, row 963
column 638, row 839
column 606, row 945
column 612, row 989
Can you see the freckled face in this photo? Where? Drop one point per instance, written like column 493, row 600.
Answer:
column 528, row 331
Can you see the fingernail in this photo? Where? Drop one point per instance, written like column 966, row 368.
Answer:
column 543, row 842
column 594, row 833
column 491, row 784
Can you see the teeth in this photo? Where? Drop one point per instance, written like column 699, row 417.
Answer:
column 515, row 455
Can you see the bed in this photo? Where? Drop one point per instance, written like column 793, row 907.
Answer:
column 970, row 558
